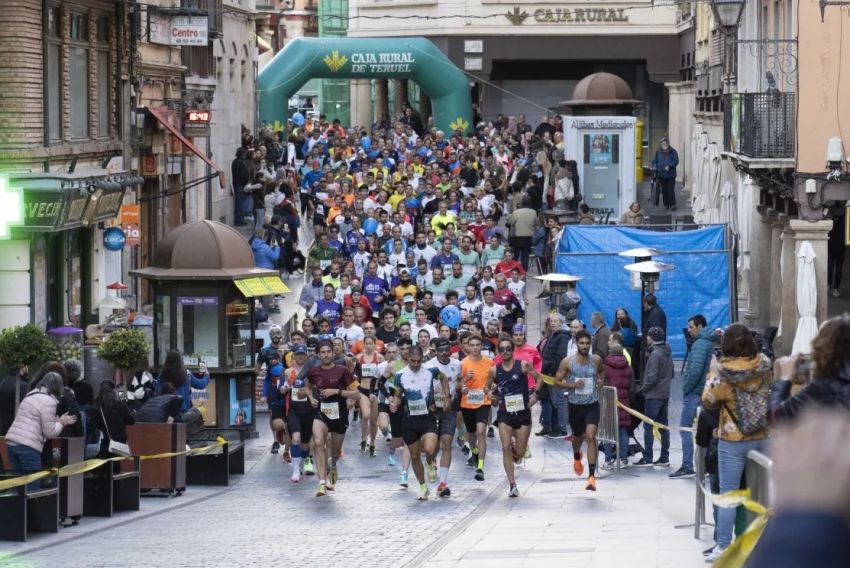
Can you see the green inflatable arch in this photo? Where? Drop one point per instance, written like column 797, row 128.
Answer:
column 416, row 59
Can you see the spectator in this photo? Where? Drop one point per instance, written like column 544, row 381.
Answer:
column 664, row 165
column 521, row 227
column 601, row 335
column 112, row 416
column 633, row 216
column 161, row 408
column 619, row 375
column 181, row 378
column 585, row 216
column 656, row 395
column 552, row 352
column 7, row 396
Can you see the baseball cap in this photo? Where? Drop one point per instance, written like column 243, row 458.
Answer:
column 408, row 298
column 519, row 328
column 298, row 349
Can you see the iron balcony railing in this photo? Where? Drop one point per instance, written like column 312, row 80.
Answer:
column 760, row 125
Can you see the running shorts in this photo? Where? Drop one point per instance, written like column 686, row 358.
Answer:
column 581, row 415
column 414, row 428
column 447, row 423
column 515, row 420
column 474, row 416
column 301, row 422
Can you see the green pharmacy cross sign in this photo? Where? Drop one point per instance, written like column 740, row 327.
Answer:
column 11, row 207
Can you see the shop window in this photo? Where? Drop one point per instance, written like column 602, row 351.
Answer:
column 239, row 351
column 197, row 330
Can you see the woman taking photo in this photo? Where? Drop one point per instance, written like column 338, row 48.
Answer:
column 739, row 386
column 36, row 422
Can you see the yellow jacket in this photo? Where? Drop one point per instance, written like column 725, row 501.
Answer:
column 726, row 379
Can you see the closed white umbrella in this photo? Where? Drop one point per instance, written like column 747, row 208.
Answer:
column 712, row 183
column 807, row 299
column 700, row 174
column 746, row 205
column 695, row 157
column 728, row 207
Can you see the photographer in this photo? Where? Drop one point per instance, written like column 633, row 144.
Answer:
column 830, row 386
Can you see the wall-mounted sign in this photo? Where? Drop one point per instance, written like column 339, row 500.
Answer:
column 113, row 239
column 133, row 233
column 74, row 211
column 43, row 209
column 601, row 123
column 149, row 166
column 518, row 16
column 371, row 62
column 178, row 30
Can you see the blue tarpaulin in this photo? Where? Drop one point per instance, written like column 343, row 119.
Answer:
column 699, row 284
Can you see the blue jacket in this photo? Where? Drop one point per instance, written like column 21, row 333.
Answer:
column 185, row 390
column 664, row 160
column 265, row 256
column 699, row 359
column 538, row 242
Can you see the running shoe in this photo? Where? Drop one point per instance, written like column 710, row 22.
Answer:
column 479, row 474
column 322, row 491
column 424, row 492
column 363, row 446
column 514, row 492
column 403, row 479
column 543, row 432
column 443, row 489
column 308, row 466
column 490, row 432
column 465, row 449
column 591, row 483
column 432, row 472
column 527, row 453
column 715, row 553
column 661, row 462
column 330, row 486
column 682, row 473
column 624, row 463
column 578, row 467
column 390, row 460
column 275, row 447
column 642, row 462
column 609, row 465
column 372, row 451
column 334, row 476
column 296, row 477
column 286, row 457
column 472, row 461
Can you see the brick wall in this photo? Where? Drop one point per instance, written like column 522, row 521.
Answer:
column 21, row 75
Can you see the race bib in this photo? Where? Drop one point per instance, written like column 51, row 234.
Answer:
column 514, row 403
column 587, row 387
column 330, row 410
column 439, row 400
column 324, row 264
column 294, row 395
column 475, row 397
column 417, row 407
column 369, row 371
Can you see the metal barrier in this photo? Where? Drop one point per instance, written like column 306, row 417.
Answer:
column 759, row 482
column 609, row 424
column 700, row 506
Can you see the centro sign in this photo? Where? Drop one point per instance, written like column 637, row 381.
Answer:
column 178, row 30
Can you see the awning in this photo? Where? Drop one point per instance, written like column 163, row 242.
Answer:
column 261, row 286
column 163, row 120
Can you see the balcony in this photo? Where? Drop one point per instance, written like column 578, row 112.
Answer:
column 760, row 125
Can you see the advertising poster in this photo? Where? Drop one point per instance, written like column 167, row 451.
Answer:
column 240, row 402
column 600, row 150
column 204, row 400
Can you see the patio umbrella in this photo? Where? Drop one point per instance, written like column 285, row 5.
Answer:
column 728, row 207
column 700, row 174
column 712, row 183
column 807, row 299
column 744, row 220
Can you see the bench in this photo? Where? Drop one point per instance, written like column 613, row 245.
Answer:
column 114, row 486
column 71, row 450
column 216, row 466
column 167, row 475
column 26, row 510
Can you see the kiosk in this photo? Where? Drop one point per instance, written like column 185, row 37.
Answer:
column 203, row 284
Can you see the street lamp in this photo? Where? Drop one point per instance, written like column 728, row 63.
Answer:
column 727, row 12
column 559, row 284
column 643, row 257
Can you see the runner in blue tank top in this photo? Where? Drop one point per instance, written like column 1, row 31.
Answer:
column 508, row 384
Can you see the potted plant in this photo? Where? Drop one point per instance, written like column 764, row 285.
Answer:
column 21, row 346
column 124, row 349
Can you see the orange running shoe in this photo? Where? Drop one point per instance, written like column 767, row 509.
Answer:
column 578, row 467
column 591, row 483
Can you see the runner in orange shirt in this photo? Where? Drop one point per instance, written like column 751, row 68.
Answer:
column 475, row 404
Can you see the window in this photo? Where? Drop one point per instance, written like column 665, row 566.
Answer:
column 79, row 70
column 53, row 75
column 210, row 8
column 198, row 60
column 104, row 76
column 197, row 329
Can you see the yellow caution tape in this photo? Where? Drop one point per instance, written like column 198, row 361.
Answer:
column 739, row 551
column 656, row 426
column 89, row 465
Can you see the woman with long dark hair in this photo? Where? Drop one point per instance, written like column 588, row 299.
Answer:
column 112, row 416
column 173, row 371
column 627, row 327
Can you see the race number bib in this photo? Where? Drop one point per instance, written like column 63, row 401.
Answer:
column 475, row 397
column 439, row 400
column 417, row 407
column 514, row 403
column 586, row 388
column 369, row 371
column 294, row 395
column 330, row 410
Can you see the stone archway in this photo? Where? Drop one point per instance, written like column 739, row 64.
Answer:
column 416, row 59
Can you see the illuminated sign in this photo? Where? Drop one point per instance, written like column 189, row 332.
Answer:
column 11, row 207
column 197, row 117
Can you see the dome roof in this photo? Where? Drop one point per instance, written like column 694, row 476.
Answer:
column 202, row 250
column 601, row 89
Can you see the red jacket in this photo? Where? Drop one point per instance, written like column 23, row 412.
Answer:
column 505, row 267
column 619, row 374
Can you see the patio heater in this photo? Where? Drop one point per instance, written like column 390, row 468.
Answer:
column 641, row 255
column 558, row 286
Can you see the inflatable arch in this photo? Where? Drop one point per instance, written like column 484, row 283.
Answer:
column 416, row 59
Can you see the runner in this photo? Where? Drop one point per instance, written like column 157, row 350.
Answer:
column 368, row 362
column 586, row 376
column 415, row 385
column 299, row 416
column 329, row 385
column 391, row 418
column 448, row 404
column 510, row 384
column 274, row 346
column 474, row 403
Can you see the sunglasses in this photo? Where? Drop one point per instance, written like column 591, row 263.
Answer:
column 506, row 350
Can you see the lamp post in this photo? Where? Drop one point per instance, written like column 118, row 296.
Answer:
column 641, row 254
column 727, row 14
column 559, row 284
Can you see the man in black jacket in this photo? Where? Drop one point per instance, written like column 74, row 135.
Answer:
column 552, row 353
column 240, row 175
column 8, row 403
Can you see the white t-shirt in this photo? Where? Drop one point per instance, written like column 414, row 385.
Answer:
column 471, row 306
column 386, row 272
column 415, row 329
column 341, row 293
column 488, row 313
column 451, row 370
column 350, row 334
column 361, row 260
column 518, row 288
column 427, row 253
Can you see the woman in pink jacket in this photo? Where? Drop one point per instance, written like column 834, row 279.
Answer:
column 35, row 422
